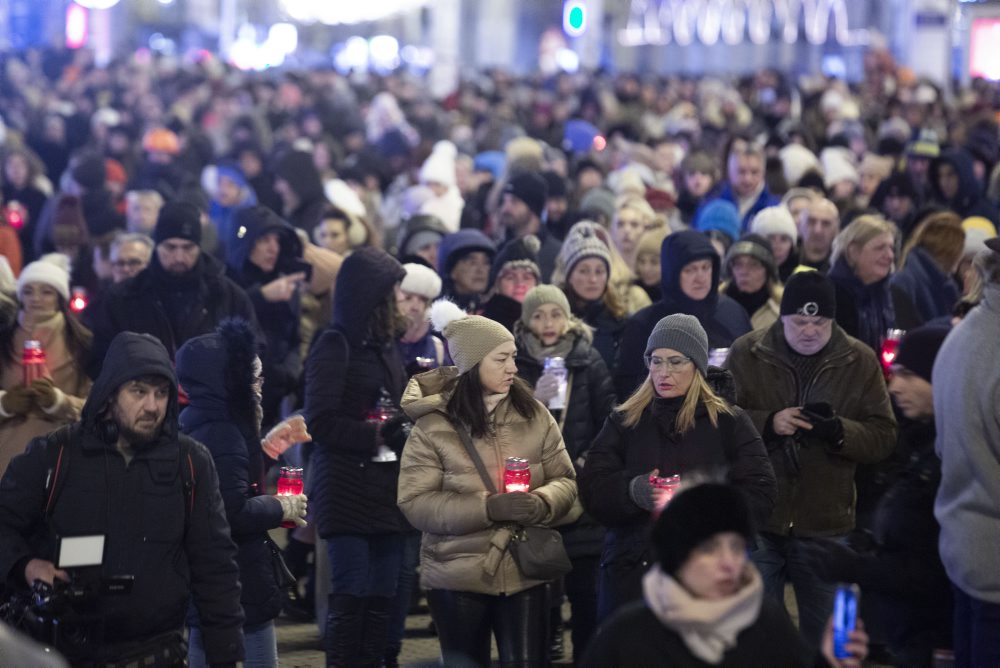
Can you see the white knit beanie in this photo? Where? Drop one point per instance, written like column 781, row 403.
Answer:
column 838, row 165
column 470, row 337
column 52, row 270
column 421, row 280
column 439, row 167
column 796, row 160
column 775, row 220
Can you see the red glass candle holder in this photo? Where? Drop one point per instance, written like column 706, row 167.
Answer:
column 290, row 483
column 890, row 348
column 32, row 362
column 669, row 484
column 516, row 475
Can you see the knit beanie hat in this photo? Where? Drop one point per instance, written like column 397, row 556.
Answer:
column 52, row 270
column 439, row 167
column 530, row 188
column 651, row 241
column 556, row 184
column 600, row 201
column 68, row 225
column 178, row 220
column 470, row 337
column 683, row 333
column 457, row 245
column 582, row 241
column 756, row 247
column 878, row 166
column 775, row 220
column 919, row 348
column 421, row 280
column 809, row 293
column 719, row 215
column 517, row 253
column 838, row 165
column 977, row 231
column 540, row 295
column 88, row 171
column 796, row 162
column 694, row 515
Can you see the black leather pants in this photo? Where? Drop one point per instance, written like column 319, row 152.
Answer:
column 465, row 621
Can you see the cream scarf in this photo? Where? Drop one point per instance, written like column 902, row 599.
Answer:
column 708, row 628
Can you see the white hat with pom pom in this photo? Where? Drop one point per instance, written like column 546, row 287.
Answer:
column 470, row 337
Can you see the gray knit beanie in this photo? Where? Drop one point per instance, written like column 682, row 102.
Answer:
column 543, row 294
column 582, row 242
column 684, row 334
column 470, row 337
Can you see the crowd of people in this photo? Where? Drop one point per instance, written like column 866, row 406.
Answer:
column 612, row 280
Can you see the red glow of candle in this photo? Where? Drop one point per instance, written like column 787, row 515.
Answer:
column 516, row 475
column 890, row 347
column 669, row 484
column 32, row 361
column 290, row 483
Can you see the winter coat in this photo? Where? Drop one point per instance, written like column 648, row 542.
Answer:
column 66, row 373
column 608, row 330
column 635, row 638
column 591, row 399
column 442, row 494
column 867, row 311
column 345, row 376
column 172, row 310
column 966, row 383
column 220, row 415
column 820, row 500
column 33, row 200
column 174, row 555
column 297, row 169
column 723, row 319
column 933, row 292
column 278, row 320
column 764, row 200
column 502, row 309
column 621, row 453
column 969, row 201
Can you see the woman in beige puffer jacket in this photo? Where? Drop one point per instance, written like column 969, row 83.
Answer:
column 465, row 561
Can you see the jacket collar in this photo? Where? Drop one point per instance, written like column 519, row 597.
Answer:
column 838, row 351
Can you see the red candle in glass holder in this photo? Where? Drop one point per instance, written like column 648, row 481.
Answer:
column 32, row 361
column 290, row 483
column 516, row 475
column 890, row 347
column 669, row 484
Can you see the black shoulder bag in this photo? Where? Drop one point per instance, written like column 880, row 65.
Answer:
column 537, row 551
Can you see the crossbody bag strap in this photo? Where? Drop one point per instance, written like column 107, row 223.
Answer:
column 463, row 435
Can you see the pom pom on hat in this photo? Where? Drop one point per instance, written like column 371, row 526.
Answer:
column 470, row 337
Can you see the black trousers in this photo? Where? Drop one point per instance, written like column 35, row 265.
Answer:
column 465, row 622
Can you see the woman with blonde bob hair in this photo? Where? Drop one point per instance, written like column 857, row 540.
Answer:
column 861, row 264
column 677, row 423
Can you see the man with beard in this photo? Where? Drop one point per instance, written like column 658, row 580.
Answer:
column 183, row 293
column 125, row 477
column 524, row 200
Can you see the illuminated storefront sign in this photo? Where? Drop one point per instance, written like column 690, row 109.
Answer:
column 732, row 21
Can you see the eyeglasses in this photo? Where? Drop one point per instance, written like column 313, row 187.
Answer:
column 670, row 364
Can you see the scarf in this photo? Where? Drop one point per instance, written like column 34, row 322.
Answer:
column 538, row 352
column 708, row 628
column 750, row 301
column 876, row 313
column 491, row 401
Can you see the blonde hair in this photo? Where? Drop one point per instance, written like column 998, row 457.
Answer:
column 700, row 392
column 861, row 230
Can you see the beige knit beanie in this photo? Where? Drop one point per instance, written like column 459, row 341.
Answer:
column 543, row 294
column 470, row 337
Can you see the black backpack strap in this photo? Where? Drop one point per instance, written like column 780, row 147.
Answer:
column 58, row 464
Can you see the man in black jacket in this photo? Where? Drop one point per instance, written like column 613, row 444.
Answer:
column 183, row 293
column 124, row 475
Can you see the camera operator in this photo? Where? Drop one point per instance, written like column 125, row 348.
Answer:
column 119, row 475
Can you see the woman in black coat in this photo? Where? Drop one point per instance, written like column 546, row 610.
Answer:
column 221, row 374
column 547, row 329
column 354, row 378
column 674, row 424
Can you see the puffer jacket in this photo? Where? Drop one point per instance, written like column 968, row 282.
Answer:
column 820, row 500
column 442, row 494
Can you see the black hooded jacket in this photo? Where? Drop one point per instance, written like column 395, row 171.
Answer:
column 170, row 308
column 723, row 319
column 278, row 320
column 174, row 555
column 969, row 201
column 216, row 372
column 345, row 375
column 298, row 170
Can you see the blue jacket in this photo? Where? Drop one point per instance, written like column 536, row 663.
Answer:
column 764, row 200
column 723, row 319
column 216, row 373
column 933, row 292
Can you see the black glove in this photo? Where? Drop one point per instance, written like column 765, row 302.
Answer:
column 826, row 425
column 521, row 507
column 395, row 431
column 831, row 560
column 641, row 491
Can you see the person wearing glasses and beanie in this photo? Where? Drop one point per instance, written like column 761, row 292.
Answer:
column 474, row 587
column 674, row 424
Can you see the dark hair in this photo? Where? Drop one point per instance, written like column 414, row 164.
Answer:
column 78, row 338
column 334, row 213
column 385, row 322
column 466, row 402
